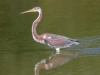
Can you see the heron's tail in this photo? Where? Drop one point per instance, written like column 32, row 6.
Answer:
column 75, row 41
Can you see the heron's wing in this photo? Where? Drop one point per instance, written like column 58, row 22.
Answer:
column 55, row 36
column 59, row 41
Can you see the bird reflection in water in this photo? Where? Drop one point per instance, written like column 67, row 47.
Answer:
column 54, row 61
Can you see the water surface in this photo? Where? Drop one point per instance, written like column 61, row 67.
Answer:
column 19, row 53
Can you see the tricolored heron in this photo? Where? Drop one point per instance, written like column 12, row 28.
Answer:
column 52, row 40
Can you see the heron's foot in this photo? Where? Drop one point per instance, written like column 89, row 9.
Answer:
column 57, row 50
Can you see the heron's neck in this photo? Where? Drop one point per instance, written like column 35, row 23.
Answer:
column 34, row 25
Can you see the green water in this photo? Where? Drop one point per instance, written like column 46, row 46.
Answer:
column 19, row 53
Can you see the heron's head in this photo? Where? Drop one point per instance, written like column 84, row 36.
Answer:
column 35, row 9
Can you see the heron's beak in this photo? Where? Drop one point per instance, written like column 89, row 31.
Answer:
column 31, row 10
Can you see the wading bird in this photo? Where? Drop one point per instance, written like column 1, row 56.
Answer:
column 52, row 40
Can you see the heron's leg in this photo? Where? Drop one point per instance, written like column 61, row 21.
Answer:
column 57, row 50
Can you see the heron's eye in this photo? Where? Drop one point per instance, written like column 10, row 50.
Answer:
column 35, row 8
